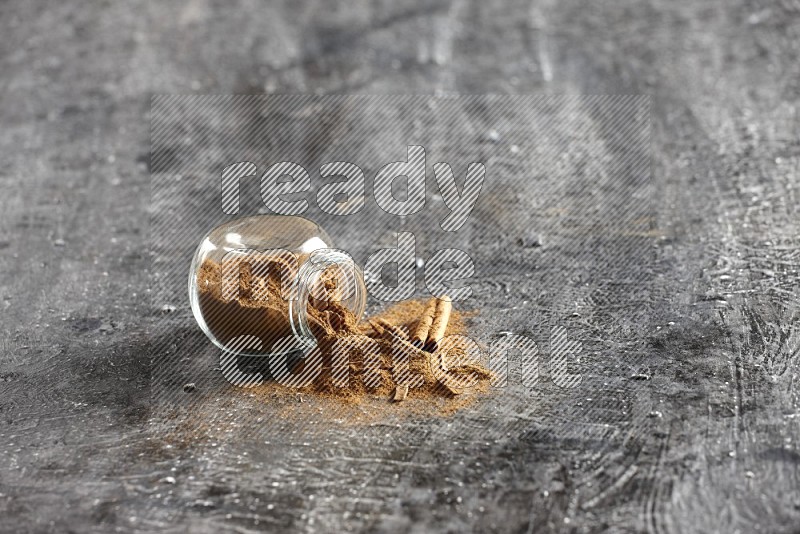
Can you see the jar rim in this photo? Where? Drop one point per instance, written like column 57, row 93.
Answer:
column 307, row 276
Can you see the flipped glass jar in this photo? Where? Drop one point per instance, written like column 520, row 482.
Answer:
column 253, row 279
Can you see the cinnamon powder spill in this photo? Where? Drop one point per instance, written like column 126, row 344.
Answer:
column 440, row 384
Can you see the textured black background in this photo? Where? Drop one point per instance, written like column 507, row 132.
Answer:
column 690, row 425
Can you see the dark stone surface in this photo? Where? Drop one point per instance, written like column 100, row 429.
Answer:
column 690, row 424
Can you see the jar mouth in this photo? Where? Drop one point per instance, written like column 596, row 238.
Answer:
column 309, row 276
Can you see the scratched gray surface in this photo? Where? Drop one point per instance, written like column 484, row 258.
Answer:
column 689, row 425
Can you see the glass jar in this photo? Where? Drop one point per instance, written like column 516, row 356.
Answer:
column 252, row 280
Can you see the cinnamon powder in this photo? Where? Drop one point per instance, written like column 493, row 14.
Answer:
column 434, row 378
column 257, row 310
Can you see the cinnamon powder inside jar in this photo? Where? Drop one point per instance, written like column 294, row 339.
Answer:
column 257, row 308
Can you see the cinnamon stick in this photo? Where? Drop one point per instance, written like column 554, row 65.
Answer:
column 433, row 362
column 444, row 307
column 423, row 327
column 385, row 325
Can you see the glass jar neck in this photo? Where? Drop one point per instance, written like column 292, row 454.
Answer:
column 309, row 277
